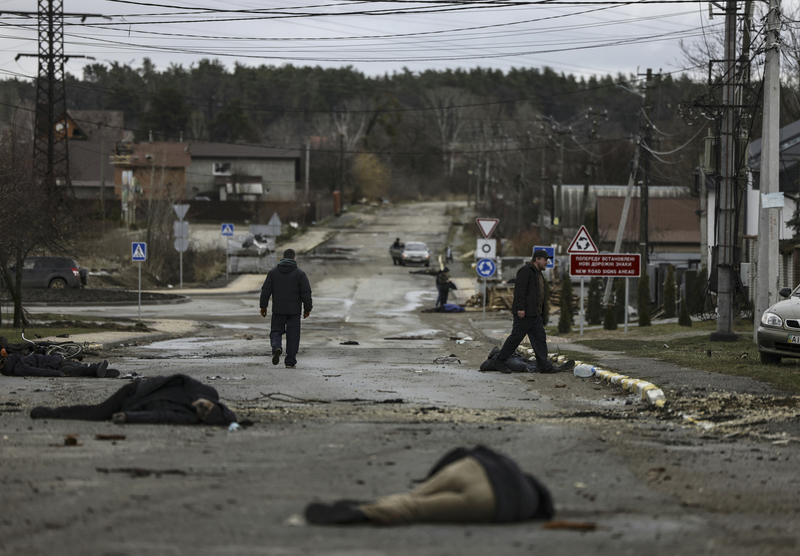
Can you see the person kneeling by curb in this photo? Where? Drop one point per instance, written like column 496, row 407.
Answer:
column 465, row 486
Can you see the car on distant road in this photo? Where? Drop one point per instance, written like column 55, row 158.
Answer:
column 56, row 273
column 416, row 252
column 779, row 332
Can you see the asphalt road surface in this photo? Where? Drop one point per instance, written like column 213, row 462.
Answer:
column 362, row 420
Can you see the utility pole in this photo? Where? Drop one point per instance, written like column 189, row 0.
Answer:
column 558, row 202
column 591, row 164
column 644, row 195
column 726, row 215
column 768, row 218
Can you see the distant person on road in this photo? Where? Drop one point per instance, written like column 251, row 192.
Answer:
column 37, row 364
column 176, row 399
column 466, row 486
column 448, row 254
column 527, row 309
column 443, row 286
column 397, row 244
column 290, row 290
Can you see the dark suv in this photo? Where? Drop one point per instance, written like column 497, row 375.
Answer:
column 57, row 273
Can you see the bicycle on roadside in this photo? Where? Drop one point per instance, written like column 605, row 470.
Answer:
column 67, row 350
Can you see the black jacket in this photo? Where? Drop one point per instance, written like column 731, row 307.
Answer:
column 526, row 290
column 168, row 399
column 289, row 288
column 518, row 496
column 32, row 365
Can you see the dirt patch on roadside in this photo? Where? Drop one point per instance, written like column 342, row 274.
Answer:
column 89, row 295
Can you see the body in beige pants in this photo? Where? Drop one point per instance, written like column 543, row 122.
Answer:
column 459, row 492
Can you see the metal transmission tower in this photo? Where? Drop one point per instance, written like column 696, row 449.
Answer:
column 50, row 144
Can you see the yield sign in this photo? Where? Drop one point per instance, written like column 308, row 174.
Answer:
column 582, row 243
column 487, row 225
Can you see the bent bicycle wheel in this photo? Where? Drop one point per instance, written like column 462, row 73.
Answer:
column 67, row 351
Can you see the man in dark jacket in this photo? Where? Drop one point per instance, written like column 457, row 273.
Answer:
column 289, row 289
column 527, row 309
column 466, row 485
column 177, row 399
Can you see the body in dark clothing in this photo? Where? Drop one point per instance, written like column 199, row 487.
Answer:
column 466, row 485
column 37, row 364
column 527, row 309
column 290, row 291
column 162, row 399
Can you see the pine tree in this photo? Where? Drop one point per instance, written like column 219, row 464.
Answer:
column 643, row 299
column 610, row 323
column 684, row 319
column 565, row 319
column 594, row 311
column 620, row 303
column 669, row 293
column 546, row 313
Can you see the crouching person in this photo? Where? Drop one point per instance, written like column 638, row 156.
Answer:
column 469, row 486
column 37, row 364
column 177, row 399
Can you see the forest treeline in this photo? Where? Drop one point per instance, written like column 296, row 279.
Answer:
column 406, row 135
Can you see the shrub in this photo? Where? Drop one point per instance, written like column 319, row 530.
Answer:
column 594, row 311
column 684, row 319
column 620, row 303
column 643, row 299
column 669, row 293
column 565, row 319
column 610, row 323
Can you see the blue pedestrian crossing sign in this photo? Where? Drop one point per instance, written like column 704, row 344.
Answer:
column 486, row 268
column 227, row 229
column 551, row 252
column 139, row 251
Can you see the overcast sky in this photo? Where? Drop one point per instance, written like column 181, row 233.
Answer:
column 585, row 38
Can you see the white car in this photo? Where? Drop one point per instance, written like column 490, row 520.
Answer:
column 416, row 252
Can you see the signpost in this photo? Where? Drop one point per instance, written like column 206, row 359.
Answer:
column 487, row 225
column 181, row 234
column 607, row 265
column 227, row 231
column 582, row 243
column 485, row 269
column 139, row 254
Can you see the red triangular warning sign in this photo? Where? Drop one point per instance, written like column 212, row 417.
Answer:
column 487, row 225
column 582, row 243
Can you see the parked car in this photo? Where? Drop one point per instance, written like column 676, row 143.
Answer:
column 779, row 332
column 416, row 252
column 57, row 273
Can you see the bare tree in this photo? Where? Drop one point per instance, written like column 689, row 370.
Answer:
column 32, row 214
column 450, row 107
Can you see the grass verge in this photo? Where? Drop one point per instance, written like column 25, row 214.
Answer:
column 691, row 347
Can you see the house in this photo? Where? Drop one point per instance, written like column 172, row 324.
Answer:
column 92, row 134
column 673, row 228
column 242, row 172
column 149, row 171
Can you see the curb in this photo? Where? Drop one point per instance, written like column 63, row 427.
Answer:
column 647, row 391
column 110, row 303
column 136, row 339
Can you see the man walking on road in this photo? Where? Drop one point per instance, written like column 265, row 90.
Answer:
column 527, row 308
column 289, row 288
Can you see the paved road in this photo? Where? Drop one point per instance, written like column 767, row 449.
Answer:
column 358, row 421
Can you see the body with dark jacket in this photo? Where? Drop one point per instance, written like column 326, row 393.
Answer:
column 177, row 399
column 466, row 485
column 527, row 309
column 35, row 364
column 290, row 291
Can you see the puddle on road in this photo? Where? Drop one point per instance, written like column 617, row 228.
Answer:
column 195, row 344
column 413, row 301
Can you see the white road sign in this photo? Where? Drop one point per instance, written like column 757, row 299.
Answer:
column 486, row 249
column 582, row 243
column 487, row 225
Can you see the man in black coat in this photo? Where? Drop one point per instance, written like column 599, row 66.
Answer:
column 527, row 309
column 177, row 399
column 290, row 291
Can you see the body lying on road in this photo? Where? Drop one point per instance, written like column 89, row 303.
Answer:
column 37, row 364
column 177, row 399
column 469, row 486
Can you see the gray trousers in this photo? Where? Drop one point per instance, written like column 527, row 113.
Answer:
column 461, row 492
